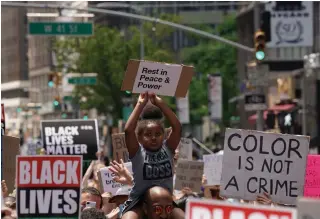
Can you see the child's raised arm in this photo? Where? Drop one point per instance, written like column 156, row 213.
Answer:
column 175, row 136
column 130, row 128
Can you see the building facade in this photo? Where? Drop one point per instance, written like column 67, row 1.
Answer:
column 14, row 65
column 285, row 70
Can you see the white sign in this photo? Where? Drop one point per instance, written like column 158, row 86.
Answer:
column 255, row 162
column 183, row 109
column 215, row 96
column 292, row 27
column 308, row 208
column 106, row 181
column 160, row 78
column 213, row 168
column 185, row 149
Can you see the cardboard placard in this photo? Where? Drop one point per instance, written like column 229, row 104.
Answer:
column 189, row 174
column 107, row 184
column 161, row 78
column 10, row 149
column 71, row 137
column 185, row 149
column 312, row 182
column 210, row 209
column 255, row 162
column 308, row 208
column 213, row 168
column 49, row 186
column 120, row 150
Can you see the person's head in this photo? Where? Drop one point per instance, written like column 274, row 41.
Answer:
column 158, row 203
column 90, row 195
column 92, row 213
column 150, row 129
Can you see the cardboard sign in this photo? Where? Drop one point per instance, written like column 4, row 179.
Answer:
column 48, row 186
column 255, row 162
column 107, row 183
column 71, row 137
column 308, row 208
column 10, row 149
column 189, row 174
column 185, row 149
column 160, row 78
column 312, row 182
column 120, row 150
column 213, row 168
column 205, row 209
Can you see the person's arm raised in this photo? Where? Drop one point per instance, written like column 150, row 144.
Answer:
column 130, row 128
column 174, row 139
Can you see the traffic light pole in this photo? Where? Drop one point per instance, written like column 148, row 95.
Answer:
column 134, row 16
column 256, row 14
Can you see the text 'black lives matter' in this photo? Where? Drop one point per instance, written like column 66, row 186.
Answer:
column 70, row 137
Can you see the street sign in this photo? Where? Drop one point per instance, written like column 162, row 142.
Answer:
column 61, row 28
column 254, row 102
column 257, row 74
column 83, row 80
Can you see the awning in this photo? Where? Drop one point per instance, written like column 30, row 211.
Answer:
column 276, row 109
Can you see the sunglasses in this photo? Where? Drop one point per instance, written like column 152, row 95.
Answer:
column 158, row 209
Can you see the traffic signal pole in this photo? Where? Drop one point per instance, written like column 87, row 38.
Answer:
column 134, row 16
column 256, row 21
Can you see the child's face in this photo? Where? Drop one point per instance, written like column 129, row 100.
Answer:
column 152, row 136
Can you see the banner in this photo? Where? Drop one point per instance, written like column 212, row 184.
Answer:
column 107, row 184
column 71, row 137
column 291, row 23
column 48, row 186
column 215, row 96
column 255, row 162
column 312, row 182
column 205, row 209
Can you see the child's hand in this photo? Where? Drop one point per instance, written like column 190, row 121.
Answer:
column 155, row 100
column 143, row 98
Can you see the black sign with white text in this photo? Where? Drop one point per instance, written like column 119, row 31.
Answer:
column 70, row 137
column 255, row 102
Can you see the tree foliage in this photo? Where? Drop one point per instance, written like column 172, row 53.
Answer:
column 213, row 57
column 107, row 54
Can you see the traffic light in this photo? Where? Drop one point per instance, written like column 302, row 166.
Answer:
column 128, row 93
column 56, row 101
column 259, row 45
column 85, row 116
column 54, row 79
column 271, row 120
column 64, row 115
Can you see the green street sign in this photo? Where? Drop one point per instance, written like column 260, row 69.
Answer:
column 61, row 28
column 83, row 80
column 67, row 98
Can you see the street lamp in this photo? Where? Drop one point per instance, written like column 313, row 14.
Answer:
column 136, row 9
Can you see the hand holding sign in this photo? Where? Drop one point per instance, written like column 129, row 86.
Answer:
column 155, row 100
column 143, row 98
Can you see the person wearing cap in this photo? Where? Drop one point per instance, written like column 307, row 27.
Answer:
column 121, row 195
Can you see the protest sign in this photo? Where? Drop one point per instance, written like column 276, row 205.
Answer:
column 213, row 168
column 210, row 209
column 308, row 208
column 189, row 174
column 71, row 137
column 120, row 150
column 255, row 162
column 160, row 78
column 312, row 181
column 48, row 186
column 10, row 149
column 107, row 184
column 185, row 149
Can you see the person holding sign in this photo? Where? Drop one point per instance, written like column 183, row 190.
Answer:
column 151, row 155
